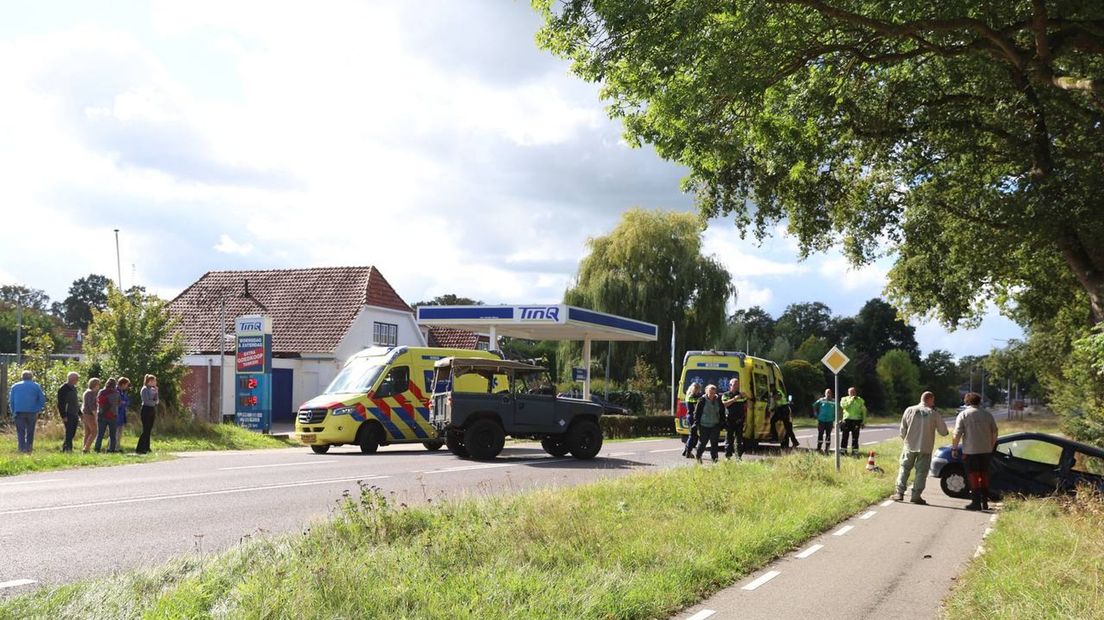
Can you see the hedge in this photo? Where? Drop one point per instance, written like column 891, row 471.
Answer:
column 627, row 426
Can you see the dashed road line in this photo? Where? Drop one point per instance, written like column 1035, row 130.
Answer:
column 16, row 583
column 870, row 443
column 810, row 551
column 702, row 615
column 763, row 579
column 843, row 530
column 277, row 465
column 666, row 450
column 155, row 498
column 868, row 514
column 450, row 470
column 888, row 502
column 986, row 533
column 616, row 454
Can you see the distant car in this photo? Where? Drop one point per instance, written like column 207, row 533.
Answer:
column 1026, row 464
column 608, row 407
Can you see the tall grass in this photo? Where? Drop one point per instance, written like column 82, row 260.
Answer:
column 641, row 546
column 1045, row 559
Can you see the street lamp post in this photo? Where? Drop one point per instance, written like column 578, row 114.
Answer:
column 118, row 263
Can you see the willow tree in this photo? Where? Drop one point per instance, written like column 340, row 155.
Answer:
column 650, row 267
column 965, row 137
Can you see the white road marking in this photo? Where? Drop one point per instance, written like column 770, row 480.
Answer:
column 986, row 533
column 760, row 581
column 277, row 465
column 979, row 551
column 702, row 615
column 870, row 443
column 868, row 514
column 843, row 530
column 648, row 441
column 810, row 551
column 613, row 454
column 805, row 436
column 155, row 498
column 449, row 470
column 888, row 502
column 666, row 450
column 4, row 484
column 16, row 583
column 993, row 519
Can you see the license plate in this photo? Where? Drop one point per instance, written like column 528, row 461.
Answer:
column 308, row 438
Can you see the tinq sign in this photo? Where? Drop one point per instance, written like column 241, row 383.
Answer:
column 253, row 376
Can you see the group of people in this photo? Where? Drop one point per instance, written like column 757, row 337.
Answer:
column 101, row 410
column 974, row 438
column 854, row 420
column 710, row 411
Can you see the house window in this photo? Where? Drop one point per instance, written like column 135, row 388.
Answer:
column 385, row 334
column 483, row 345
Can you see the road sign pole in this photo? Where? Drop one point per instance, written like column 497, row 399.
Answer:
column 838, row 435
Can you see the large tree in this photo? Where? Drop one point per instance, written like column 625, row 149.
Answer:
column 19, row 295
column 85, row 295
column 964, row 137
column 801, row 321
column 651, row 268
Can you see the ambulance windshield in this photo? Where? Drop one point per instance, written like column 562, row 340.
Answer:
column 357, row 377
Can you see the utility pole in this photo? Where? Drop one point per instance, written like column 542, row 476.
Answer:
column 118, row 264
column 222, row 354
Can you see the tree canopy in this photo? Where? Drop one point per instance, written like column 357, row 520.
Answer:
column 85, row 295
column 965, row 138
column 650, row 267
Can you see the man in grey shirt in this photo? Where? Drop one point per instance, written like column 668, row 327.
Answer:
column 919, row 424
column 976, row 429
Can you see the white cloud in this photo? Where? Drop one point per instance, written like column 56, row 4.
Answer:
column 870, row 277
column 226, row 245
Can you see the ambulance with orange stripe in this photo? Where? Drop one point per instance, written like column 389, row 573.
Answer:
column 380, row 397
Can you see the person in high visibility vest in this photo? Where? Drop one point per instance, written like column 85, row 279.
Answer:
column 693, row 395
column 854, row 419
column 825, row 411
column 735, row 404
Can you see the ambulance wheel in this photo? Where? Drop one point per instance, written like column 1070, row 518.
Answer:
column 455, row 442
column 321, row 449
column 584, row 439
column 556, row 445
column 368, row 438
column 434, row 445
column 484, row 439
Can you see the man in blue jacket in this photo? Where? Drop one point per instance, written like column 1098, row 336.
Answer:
column 26, row 400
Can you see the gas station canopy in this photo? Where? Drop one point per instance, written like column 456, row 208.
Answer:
column 541, row 322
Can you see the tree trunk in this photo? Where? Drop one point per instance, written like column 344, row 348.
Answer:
column 1088, row 273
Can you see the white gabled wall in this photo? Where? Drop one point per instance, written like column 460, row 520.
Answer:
column 359, row 336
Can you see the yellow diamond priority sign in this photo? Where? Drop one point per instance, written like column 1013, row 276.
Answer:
column 835, row 360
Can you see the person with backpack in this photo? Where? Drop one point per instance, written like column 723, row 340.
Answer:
column 107, row 404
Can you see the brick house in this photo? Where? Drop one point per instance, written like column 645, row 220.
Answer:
column 320, row 317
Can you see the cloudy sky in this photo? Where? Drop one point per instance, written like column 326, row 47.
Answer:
column 431, row 139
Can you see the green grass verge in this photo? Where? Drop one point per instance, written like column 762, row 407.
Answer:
column 641, row 546
column 169, row 435
column 1044, row 559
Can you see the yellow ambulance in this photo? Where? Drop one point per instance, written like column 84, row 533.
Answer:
column 380, row 397
column 760, row 379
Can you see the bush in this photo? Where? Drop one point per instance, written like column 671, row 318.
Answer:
column 628, row 426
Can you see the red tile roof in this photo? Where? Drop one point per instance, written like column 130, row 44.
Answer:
column 452, row 338
column 311, row 309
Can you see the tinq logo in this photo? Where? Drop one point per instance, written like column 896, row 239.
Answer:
column 540, row 313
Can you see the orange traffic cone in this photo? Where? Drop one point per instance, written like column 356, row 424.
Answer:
column 870, row 466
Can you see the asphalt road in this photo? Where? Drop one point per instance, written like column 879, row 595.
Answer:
column 56, row 527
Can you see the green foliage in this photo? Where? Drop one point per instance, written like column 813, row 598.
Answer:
column 800, row 322
column 650, row 268
column 449, row 299
column 900, row 379
column 133, row 337
column 1080, row 395
column 29, row 298
column 812, row 350
column 964, row 136
column 33, row 321
column 86, row 295
column 804, row 382
column 939, row 374
column 628, row 426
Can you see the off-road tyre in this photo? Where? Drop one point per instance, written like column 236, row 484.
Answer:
column 321, row 449
column 454, row 440
column 434, row 445
column 584, row 439
column 556, row 445
column 484, row 439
